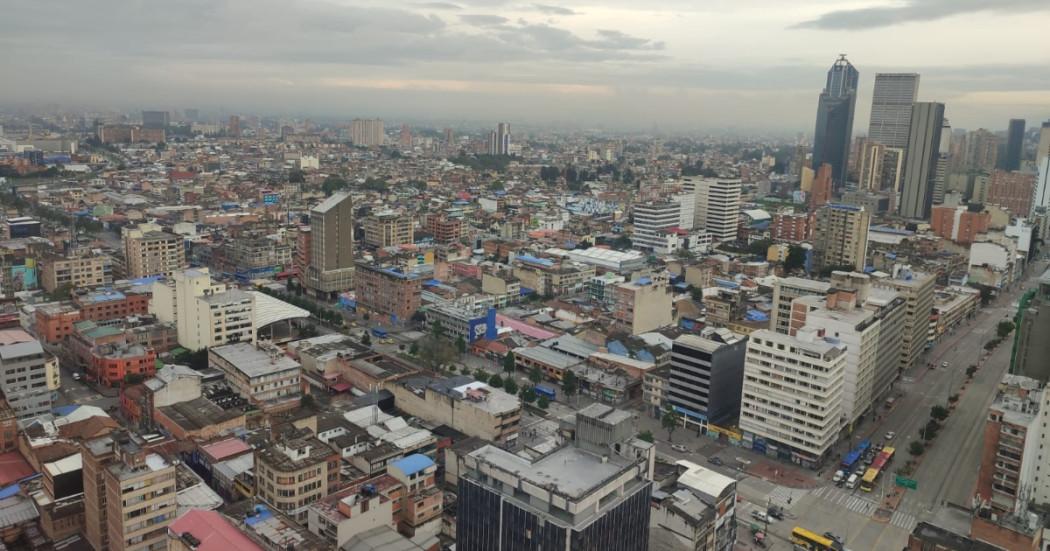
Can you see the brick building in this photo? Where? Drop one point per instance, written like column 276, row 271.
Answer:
column 111, row 304
column 960, row 224
column 1012, row 190
column 388, row 291
column 794, row 227
column 54, row 322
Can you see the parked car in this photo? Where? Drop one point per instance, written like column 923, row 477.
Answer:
column 944, row 364
column 760, row 516
column 714, row 461
column 679, row 448
column 77, row 376
column 775, row 512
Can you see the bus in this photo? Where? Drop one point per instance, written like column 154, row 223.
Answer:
column 851, row 459
column 881, row 463
column 811, row 541
column 545, row 391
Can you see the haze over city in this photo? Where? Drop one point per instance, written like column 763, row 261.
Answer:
column 677, row 65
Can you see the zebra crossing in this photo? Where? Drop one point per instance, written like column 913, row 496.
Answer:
column 904, row 520
column 847, row 499
column 784, row 497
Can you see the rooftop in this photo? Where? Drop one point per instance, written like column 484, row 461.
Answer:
column 212, row 532
column 252, row 361
column 568, row 470
column 547, row 356
column 413, row 464
column 198, row 414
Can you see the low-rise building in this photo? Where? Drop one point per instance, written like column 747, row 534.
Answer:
column 294, row 471
column 551, row 363
column 54, row 321
column 28, row 374
column 471, row 407
column 388, row 229
column 75, row 272
column 111, row 304
column 700, row 508
column 264, row 375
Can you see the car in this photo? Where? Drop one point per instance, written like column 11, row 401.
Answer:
column 890, row 435
column 944, row 364
column 760, row 516
column 775, row 512
column 77, row 376
column 679, row 448
column 839, row 475
column 715, row 461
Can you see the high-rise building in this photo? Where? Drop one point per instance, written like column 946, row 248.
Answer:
column 1013, row 191
column 233, row 127
column 800, row 420
column 1014, row 145
column 917, row 289
column 820, row 192
column 28, row 374
column 653, row 225
column 514, row 503
column 707, row 373
column 331, row 268
column 834, row 130
column 499, row 140
column 1041, row 199
column 156, row 119
column 1042, row 151
column 404, row 138
column 924, row 141
column 840, row 237
column 148, row 251
column 891, row 108
column 982, row 150
column 367, row 132
column 940, row 173
column 1033, row 335
column 718, row 207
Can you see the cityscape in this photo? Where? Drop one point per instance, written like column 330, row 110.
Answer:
column 524, row 277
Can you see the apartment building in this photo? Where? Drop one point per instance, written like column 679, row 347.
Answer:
column 388, row 291
column 75, row 271
column 706, row 376
column 388, row 229
column 110, row 304
column 787, row 289
column 151, row 252
column 1013, row 191
column 263, row 375
column 471, row 407
column 1013, row 437
column 961, row 224
column 644, row 305
column 28, row 374
column 551, row 278
column 331, row 268
column 917, row 288
column 293, row 471
column 793, row 227
column 840, row 237
column 791, row 405
column 444, row 229
column 53, row 322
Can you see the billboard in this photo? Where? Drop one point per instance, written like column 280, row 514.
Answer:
column 271, row 198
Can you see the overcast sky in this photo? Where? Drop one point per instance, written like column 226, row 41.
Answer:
column 690, row 65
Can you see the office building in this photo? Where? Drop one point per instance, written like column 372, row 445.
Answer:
column 1041, row 198
column 389, row 292
column 499, row 140
column 654, row 225
column 718, row 207
column 891, row 101
column 460, row 402
column 75, row 271
column 367, row 132
column 1014, row 145
column 331, row 269
column 940, row 171
column 156, row 119
column 644, row 305
column 834, row 130
column 960, row 224
column 1013, row 191
column 294, row 470
column 148, row 251
column 593, row 493
column 233, row 127
column 840, row 237
column 388, row 229
column 982, row 151
column 263, row 375
column 917, row 288
column 780, row 416
column 707, row 374
column 28, row 374
column 787, row 289
column 1042, row 150
column 820, row 191
column 21, row 227
column 924, row 141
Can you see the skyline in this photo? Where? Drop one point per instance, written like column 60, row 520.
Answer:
column 706, row 68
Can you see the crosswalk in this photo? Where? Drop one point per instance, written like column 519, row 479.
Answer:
column 785, row 497
column 847, row 499
column 904, row 520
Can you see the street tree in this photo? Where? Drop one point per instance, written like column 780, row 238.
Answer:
column 646, row 436
column 510, row 386
column 508, row 362
column 496, row 381
column 1004, row 328
column 669, row 421
column 534, row 374
column 528, row 395
column 569, row 384
column 461, row 345
column 543, row 402
column 916, row 448
column 939, row 413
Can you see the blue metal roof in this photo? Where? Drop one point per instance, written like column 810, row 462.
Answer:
column 62, row 411
column 262, row 513
column 413, row 464
column 617, row 347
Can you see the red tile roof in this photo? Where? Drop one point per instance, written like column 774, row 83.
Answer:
column 214, row 532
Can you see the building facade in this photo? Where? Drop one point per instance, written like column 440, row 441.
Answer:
column 834, row 129
column 331, row 268
column 388, row 229
column 151, row 252
column 891, row 102
column 840, row 237
column 706, row 376
column 75, row 271
column 390, row 292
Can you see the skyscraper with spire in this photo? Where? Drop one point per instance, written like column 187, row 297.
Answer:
column 834, row 131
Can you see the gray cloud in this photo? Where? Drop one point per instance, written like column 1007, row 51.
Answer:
column 554, row 10
column 917, row 10
column 440, row 6
column 484, row 20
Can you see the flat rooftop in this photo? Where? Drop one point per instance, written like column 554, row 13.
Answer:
column 568, row 470
column 252, row 361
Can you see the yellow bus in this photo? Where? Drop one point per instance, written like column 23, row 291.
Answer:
column 811, row 541
column 881, row 463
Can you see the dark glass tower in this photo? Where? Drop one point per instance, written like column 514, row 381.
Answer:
column 831, row 142
column 1014, row 145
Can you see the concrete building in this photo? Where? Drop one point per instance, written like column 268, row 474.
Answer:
column 264, row 376
column 1041, row 198
column 706, row 376
column 293, row 471
column 780, row 415
column 924, row 140
column 499, row 140
column 331, row 269
column 75, row 271
column 367, row 132
column 547, row 277
column 891, row 102
column 1013, row 434
column 388, row 229
column 1014, row 145
column 651, row 224
column 28, row 374
column 111, row 304
column 471, row 407
column 591, row 494
column 388, row 291
column 840, row 237
column 151, row 252
column 821, row 189
column 1033, row 334
column 787, row 289
column 961, row 224
column 718, row 207
column 699, row 509
column 917, row 290
column 609, row 259
column 201, row 530
column 982, row 151
column 644, row 305
column 1042, row 150
column 790, row 226
column 1012, row 190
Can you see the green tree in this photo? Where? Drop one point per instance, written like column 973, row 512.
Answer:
column 796, row 258
column 646, row 436
column 1004, row 328
column 970, row 371
column 414, row 349
column 481, row 375
column 496, row 381
column 669, row 422
column 528, row 395
column 569, row 384
column 508, row 362
column 296, row 176
column 916, row 448
column 366, row 339
column 333, row 184
column 535, row 375
column 939, row 413
column 510, row 386
column 697, row 294
column 437, row 330
column 543, row 402
column 461, row 345
column 308, row 402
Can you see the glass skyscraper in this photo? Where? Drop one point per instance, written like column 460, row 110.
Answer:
column 831, row 142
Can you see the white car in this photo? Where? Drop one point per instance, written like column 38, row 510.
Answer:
column 679, row 448
column 944, row 364
column 890, row 435
column 76, row 376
